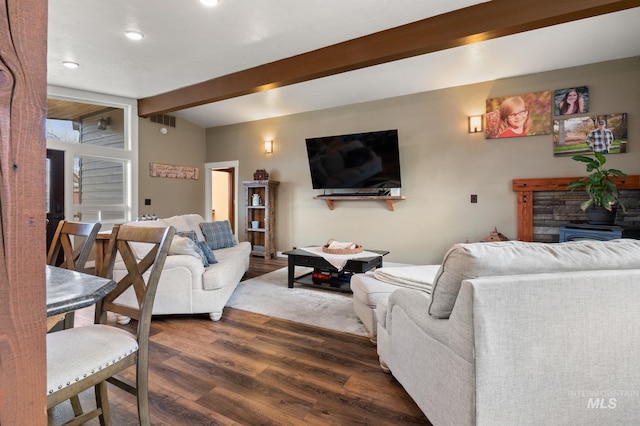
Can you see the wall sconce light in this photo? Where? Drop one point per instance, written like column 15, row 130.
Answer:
column 268, row 147
column 475, row 123
column 103, row 123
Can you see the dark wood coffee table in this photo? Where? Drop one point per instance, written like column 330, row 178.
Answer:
column 339, row 281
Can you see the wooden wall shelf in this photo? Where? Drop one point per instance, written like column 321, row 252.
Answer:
column 390, row 199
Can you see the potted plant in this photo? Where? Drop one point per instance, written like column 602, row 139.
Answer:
column 600, row 187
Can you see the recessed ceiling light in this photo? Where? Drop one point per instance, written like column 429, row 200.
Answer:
column 134, row 35
column 70, row 64
column 209, row 2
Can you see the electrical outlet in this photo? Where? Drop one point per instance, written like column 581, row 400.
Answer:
column 147, row 201
column 474, row 198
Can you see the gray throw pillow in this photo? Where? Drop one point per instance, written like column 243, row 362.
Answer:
column 189, row 234
column 208, row 253
column 218, row 234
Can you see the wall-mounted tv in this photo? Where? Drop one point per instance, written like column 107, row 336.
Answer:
column 355, row 161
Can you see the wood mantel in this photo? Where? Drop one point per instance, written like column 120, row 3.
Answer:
column 526, row 187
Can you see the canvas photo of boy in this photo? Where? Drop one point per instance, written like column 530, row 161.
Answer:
column 606, row 134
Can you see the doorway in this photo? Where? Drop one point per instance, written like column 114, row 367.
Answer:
column 222, row 195
column 54, row 187
column 221, row 186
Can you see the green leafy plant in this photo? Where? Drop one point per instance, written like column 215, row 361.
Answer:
column 599, row 185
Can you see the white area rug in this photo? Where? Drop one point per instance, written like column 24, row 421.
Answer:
column 268, row 294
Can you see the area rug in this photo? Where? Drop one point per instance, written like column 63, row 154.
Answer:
column 269, row 294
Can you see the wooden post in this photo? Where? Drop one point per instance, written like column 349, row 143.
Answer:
column 23, row 95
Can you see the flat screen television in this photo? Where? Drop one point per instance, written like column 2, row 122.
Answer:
column 368, row 160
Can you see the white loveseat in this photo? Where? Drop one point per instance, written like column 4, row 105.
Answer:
column 186, row 286
column 521, row 333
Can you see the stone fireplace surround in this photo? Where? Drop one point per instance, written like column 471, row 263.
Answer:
column 545, row 204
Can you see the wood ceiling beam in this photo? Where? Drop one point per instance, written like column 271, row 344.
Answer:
column 484, row 21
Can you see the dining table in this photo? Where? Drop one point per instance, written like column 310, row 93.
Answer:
column 69, row 290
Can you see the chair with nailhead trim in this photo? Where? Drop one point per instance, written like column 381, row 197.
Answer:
column 90, row 356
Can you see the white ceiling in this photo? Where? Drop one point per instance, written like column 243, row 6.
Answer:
column 186, row 43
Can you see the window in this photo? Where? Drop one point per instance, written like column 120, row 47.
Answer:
column 62, row 130
column 99, row 139
column 99, row 189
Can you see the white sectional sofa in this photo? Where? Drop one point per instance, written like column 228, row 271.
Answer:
column 521, row 333
column 371, row 287
column 186, row 286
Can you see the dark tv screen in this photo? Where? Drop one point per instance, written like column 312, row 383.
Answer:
column 355, row 161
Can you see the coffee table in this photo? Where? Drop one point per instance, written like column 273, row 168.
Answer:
column 339, row 277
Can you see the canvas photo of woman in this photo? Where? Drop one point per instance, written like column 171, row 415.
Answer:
column 514, row 116
column 574, row 100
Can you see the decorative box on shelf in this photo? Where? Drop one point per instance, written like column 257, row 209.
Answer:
column 261, row 174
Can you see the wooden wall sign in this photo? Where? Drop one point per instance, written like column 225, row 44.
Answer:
column 171, row 171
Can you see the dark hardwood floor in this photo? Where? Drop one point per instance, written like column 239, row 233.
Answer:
column 251, row 369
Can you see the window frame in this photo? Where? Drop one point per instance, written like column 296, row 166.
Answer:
column 128, row 155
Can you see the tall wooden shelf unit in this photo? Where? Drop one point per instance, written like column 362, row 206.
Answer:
column 262, row 238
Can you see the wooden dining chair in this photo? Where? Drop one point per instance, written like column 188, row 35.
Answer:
column 90, row 356
column 70, row 248
column 72, row 244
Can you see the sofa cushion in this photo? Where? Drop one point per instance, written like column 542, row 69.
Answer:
column 218, row 234
column 369, row 290
column 186, row 246
column 178, row 222
column 467, row 261
column 232, row 264
column 141, row 249
column 194, row 221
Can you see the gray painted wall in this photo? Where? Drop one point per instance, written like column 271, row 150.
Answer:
column 183, row 145
column 442, row 164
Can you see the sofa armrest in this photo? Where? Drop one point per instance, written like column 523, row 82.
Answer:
column 455, row 332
